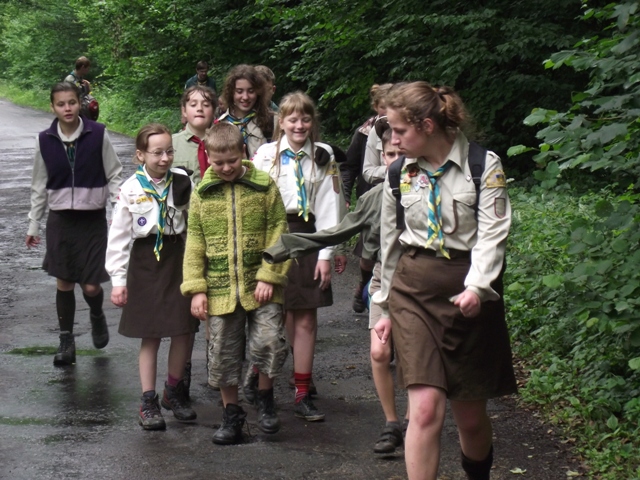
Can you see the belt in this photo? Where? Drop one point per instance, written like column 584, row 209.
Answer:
column 453, row 253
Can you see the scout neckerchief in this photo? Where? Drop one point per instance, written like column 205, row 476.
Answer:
column 202, row 155
column 435, row 212
column 301, row 189
column 162, row 203
column 241, row 123
column 71, row 153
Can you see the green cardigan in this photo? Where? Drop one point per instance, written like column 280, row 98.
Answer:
column 230, row 225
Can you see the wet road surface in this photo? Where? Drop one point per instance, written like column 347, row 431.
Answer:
column 81, row 421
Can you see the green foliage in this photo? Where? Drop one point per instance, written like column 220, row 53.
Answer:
column 572, row 296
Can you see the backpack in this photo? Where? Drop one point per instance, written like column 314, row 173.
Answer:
column 476, row 160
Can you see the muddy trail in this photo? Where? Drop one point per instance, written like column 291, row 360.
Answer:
column 81, row 421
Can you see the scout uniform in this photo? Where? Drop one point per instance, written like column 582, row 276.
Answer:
column 253, row 136
column 186, row 153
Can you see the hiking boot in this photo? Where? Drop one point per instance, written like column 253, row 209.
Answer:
column 477, row 470
column 390, row 439
column 250, row 386
column 99, row 330
column 268, row 420
column 230, row 432
column 174, row 399
column 312, row 386
column 307, row 410
column 150, row 416
column 66, row 354
column 186, row 379
column 358, row 304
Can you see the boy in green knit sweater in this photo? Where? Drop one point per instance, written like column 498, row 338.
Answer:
column 236, row 212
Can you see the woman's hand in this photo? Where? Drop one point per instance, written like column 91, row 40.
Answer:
column 32, row 241
column 263, row 293
column 469, row 304
column 383, row 329
column 119, row 296
column 200, row 306
column 323, row 272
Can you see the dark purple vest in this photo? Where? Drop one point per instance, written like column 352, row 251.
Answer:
column 88, row 171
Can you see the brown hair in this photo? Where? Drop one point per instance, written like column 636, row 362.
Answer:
column 386, row 137
column 418, row 101
column 206, row 92
column 264, row 116
column 378, row 92
column 267, row 73
column 142, row 139
column 202, row 64
column 64, row 87
column 82, row 62
column 224, row 137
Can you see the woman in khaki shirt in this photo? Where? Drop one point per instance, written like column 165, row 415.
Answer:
column 441, row 279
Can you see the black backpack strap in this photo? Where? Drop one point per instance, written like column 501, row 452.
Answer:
column 394, row 182
column 477, row 156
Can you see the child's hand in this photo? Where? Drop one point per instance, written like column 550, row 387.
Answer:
column 383, row 329
column 119, row 296
column 340, row 263
column 323, row 272
column 263, row 293
column 200, row 307
column 32, row 241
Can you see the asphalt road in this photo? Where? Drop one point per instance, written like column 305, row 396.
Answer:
column 81, row 421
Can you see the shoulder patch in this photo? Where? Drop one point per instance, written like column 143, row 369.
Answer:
column 496, row 179
column 333, row 169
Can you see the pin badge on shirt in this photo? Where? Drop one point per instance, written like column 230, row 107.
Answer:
column 142, row 221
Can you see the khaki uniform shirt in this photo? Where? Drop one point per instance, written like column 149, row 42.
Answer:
column 485, row 237
column 255, row 138
column 186, row 153
column 373, row 167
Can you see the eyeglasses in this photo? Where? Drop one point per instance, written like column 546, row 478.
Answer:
column 160, row 153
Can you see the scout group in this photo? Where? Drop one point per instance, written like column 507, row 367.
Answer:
column 203, row 233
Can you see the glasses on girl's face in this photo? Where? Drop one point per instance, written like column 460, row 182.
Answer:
column 160, row 153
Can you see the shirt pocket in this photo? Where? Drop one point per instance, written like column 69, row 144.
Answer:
column 464, row 212
column 142, row 214
column 415, row 211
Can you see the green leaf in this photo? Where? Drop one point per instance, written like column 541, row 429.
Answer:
column 552, row 281
column 634, row 363
column 620, row 245
column 518, row 150
column 538, row 115
column 612, row 423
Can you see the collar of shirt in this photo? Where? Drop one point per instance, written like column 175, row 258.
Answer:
column 190, row 134
column 458, row 154
column 306, row 148
column 74, row 135
column 159, row 186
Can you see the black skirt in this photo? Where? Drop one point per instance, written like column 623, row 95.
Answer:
column 303, row 292
column 155, row 307
column 76, row 246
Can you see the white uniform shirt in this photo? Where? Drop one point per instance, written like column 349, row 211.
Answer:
column 373, row 167
column 322, row 184
column 135, row 215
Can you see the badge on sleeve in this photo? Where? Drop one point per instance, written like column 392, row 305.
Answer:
column 333, row 169
column 496, row 179
column 500, row 207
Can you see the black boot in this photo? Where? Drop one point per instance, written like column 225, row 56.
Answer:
column 66, row 354
column 358, row 304
column 268, row 420
column 174, row 399
column 478, row 470
column 99, row 330
column 230, row 432
column 390, row 439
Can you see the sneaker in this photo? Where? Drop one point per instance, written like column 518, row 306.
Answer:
column 268, row 420
column 312, row 386
column 150, row 416
column 358, row 304
column 250, row 386
column 173, row 399
column 307, row 410
column 230, row 432
column 390, row 439
column 66, row 354
column 186, row 379
column 99, row 330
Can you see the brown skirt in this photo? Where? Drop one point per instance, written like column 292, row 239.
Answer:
column 469, row 358
column 76, row 246
column 302, row 291
column 155, row 307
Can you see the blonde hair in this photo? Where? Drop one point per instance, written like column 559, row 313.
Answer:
column 142, row 138
column 418, row 101
column 223, row 137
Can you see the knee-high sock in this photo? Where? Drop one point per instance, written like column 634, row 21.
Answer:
column 95, row 302
column 66, row 309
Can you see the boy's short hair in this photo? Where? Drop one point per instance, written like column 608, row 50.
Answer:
column 202, row 64
column 205, row 91
column 82, row 62
column 386, row 137
column 224, row 137
column 267, row 73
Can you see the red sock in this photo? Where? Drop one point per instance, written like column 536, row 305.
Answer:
column 172, row 381
column 302, row 385
column 255, row 369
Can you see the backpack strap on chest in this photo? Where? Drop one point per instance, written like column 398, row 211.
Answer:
column 394, row 182
column 476, row 159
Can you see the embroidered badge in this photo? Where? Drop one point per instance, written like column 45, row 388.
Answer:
column 405, row 188
column 500, row 207
column 142, row 221
column 333, row 169
column 496, row 179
